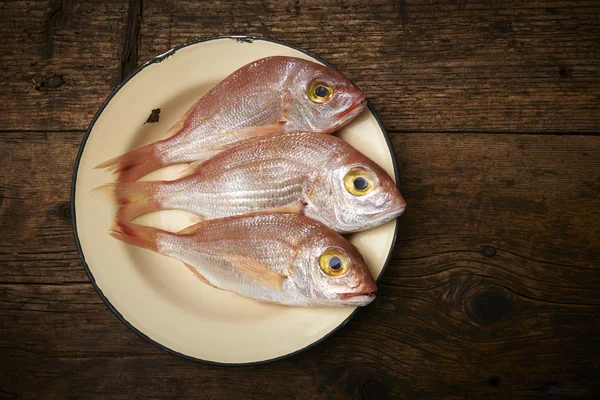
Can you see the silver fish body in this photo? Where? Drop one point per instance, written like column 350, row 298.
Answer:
column 302, row 172
column 280, row 258
column 268, row 96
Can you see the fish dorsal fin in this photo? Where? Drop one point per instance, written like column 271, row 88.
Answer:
column 257, row 272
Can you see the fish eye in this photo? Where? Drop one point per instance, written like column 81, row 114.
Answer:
column 359, row 182
column 333, row 262
column 320, row 92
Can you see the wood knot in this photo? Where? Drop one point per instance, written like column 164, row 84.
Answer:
column 64, row 211
column 489, row 251
column 51, row 82
column 373, row 389
column 489, row 305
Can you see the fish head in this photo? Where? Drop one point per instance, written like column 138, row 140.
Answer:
column 323, row 100
column 330, row 271
column 354, row 195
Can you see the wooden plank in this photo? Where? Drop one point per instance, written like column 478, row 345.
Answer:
column 492, row 289
column 480, row 66
column 37, row 243
column 59, row 60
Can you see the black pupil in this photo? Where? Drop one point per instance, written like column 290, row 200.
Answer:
column 335, row 263
column 321, row 91
column 360, row 183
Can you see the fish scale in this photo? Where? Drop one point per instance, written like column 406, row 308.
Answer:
column 268, row 96
column 296, row 172
column 267, row 257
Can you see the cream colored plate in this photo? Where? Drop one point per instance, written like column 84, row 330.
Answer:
column 157, row 296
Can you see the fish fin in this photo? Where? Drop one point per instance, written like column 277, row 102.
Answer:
column 294, row 208
column 134, row 164
column 137, row 235
column 129, row 212
column 133, row 192
column 107, row 191
column 127, row 192
column 136, row 198
column 199, row 275
column 241, row 135
column 257, row 272
column 192, row 228
column 180, row 124
column 285, row 104
column 190, row 169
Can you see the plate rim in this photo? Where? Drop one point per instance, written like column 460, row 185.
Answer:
column 158, row 59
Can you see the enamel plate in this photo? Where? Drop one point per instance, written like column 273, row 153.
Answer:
column 156, row 296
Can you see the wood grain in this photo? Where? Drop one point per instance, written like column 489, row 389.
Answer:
column 492, row 290
column 479, row 66
column 59, row 59
column 427, row 67
column 35, row 221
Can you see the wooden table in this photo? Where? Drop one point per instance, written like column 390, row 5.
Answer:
column 493, row 107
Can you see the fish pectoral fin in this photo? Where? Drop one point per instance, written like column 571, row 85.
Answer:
column 237, row 136
column 257, row 272
column 199, row 275
column 286, row 102
column 295, row 208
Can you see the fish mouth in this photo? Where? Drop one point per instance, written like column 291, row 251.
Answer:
column 367, row 293
column 357, row 299
column 389, row 214
column 356, row 107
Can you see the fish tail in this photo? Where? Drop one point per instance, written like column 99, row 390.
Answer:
column 137, row 235
column 136, row 198
column 134, row 164
column 107, row 190
column 129, row 212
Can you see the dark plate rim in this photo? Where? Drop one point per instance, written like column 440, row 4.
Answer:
column 158, row 59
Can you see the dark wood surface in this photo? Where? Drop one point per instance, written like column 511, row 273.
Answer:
column 493, row 290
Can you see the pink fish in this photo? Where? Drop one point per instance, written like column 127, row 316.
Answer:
column 320, row 176
column 281, row 258
column 268, row 96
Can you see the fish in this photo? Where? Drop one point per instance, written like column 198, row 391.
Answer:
column 268, row 96
column 281, row 258
column 320, row 176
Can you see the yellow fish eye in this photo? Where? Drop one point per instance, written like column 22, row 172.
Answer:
column 319, row 92
column 359, row 182
column 333, row 262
